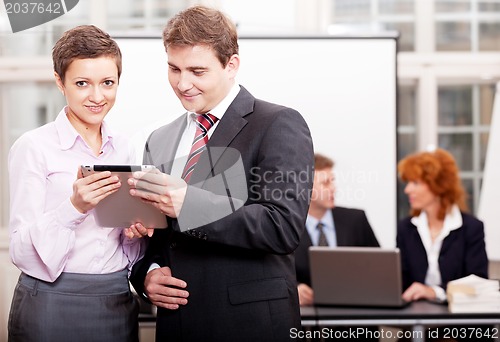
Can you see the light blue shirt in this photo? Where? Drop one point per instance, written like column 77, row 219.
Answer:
column 328, row 229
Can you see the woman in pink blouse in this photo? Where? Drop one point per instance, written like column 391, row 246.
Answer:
column 74, row 281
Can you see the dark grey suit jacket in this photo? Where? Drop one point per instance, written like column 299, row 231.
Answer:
column 351, row 229
column 239, row 269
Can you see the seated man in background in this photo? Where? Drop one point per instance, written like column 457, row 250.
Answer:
column 328, row 225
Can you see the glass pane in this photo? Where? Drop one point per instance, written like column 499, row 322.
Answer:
column 468, row 185
column 483, row 148
column 165, row 9
column 460, row 146
column 489, row 36
column 406, row 34
column 29, row 105
column 403, row 204
column 40, row 39
column 486, row 98
column 396, row 6
column 455, row 106
column 450, row 6
column 344, row 8
column 453, row 36
column 489, row 6
column 23, row 44
column 407, row 144
column 120, row 9
column 151, row 15
column 24, row 106
column 407, row 105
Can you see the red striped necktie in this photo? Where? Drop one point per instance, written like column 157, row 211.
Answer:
column 203, row 124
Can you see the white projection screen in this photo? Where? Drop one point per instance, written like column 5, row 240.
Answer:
column 345, row 87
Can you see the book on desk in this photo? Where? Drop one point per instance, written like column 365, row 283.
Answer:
column 473, row 294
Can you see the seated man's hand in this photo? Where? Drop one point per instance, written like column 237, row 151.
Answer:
column 306, row 295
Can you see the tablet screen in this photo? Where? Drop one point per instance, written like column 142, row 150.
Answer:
column 120, row 209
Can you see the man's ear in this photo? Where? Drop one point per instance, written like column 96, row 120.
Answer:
column 233, row 65
column 59, row 82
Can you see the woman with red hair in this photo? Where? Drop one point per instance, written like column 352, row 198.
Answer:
column 439, row 242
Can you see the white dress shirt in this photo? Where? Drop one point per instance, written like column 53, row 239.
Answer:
column 48, row 235
column 452, row 221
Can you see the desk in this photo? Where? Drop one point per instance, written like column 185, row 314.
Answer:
column 418, row 315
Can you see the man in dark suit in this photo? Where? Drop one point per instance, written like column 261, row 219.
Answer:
column 328, row 225
column 339, row 226
column 223, row 270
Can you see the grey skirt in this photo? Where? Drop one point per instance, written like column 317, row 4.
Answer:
column 76, row 307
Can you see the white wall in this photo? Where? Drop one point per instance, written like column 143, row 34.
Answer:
column 344, row 87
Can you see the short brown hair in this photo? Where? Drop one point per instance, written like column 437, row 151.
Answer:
column 81, row 42
column 322, row 162
column 200, row 25
column 440, row 172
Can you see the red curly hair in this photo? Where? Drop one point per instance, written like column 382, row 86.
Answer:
column 439, row 171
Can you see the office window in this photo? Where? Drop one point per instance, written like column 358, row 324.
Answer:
column 396, row 7
column 403, row 203
column 455, row 106
column 38, row 41
column 489, row 36
column 464, row 116
column 356, row 8
column 467, row 25
column 460, row 145
column 375, row 16
column 142, row 15
column 453, row 36
column 407, row 136
column 489, row 6
column 486, row 99
column 468, row 185
column 452, row 6
column 406, row 31
column 25, row 105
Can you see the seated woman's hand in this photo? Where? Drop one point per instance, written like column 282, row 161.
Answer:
column 418, row 291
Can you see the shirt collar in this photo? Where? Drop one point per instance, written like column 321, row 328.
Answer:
column 327, row 220
column 452, row 220
column 68, row 135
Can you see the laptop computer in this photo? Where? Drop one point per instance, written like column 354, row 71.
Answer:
column 356, row 276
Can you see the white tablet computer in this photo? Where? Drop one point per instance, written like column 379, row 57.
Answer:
column 120, row 210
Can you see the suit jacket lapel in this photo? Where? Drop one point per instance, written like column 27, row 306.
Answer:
column 169, row 148
column 340, row 231
column 228, row 128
